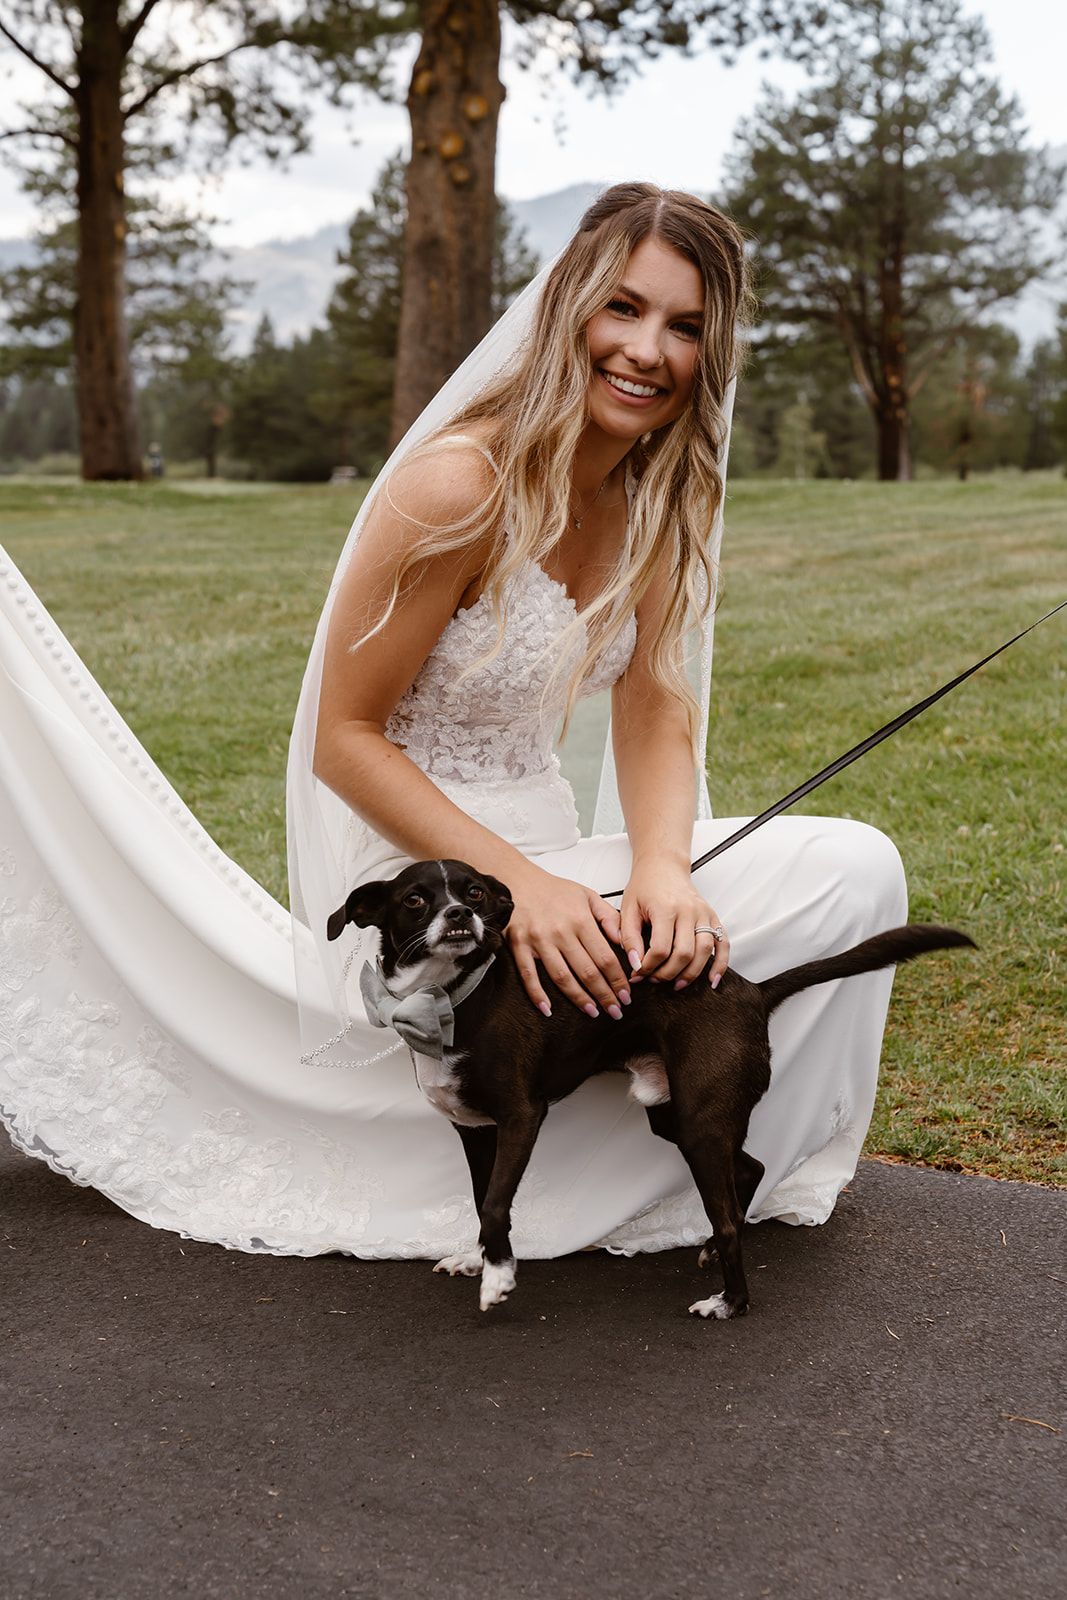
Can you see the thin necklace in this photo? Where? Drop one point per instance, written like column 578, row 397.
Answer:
column 579, row 520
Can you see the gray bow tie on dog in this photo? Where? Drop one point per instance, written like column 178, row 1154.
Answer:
column 424, row 1020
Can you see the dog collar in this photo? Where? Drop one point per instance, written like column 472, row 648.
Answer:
column 424, row 1019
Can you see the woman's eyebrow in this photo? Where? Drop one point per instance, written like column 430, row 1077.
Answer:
column 642, row 300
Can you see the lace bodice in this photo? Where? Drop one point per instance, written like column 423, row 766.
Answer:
column 489, row 725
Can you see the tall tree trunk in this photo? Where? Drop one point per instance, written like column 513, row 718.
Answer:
column 894, row 449
column 454, row 103
column 107, row 400
column 894, row 452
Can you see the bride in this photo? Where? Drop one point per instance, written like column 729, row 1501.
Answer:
column 547, row 531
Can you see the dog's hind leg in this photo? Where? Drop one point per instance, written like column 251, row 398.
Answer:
column 747, row 1174
column 514, row 1146
column 479, row 1146
column 710, row 1134
column 663, row 1122
column 727, row 1221
column 715, row 1181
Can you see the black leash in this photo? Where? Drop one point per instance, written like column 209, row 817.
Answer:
column 858, row 750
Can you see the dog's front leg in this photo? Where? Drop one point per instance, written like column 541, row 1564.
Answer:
column 514, row 1145
column 479, row 1146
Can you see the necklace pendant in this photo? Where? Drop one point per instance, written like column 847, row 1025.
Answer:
column 579, row 520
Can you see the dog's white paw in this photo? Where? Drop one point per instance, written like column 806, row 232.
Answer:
column 467, row 1264
column 714, row 1306
column 497, row 1283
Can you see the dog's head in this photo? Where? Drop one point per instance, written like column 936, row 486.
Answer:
column 431, row 910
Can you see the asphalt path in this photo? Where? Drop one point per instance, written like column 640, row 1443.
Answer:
column 888, row 1420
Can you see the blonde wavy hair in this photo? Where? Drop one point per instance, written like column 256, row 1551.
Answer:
column 531, row 416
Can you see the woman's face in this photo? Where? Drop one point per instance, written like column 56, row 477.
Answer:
column 645, row 344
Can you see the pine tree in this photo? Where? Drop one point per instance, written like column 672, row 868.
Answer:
column 110, row 70
column 893, row 202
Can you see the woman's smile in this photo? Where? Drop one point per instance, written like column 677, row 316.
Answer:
column 626, row 386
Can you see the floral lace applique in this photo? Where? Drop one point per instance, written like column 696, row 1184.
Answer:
column 487, row 724
column 29, row 939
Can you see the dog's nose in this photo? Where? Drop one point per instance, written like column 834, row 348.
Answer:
column 458, row 913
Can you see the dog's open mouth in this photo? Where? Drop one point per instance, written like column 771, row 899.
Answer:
column 458, row 936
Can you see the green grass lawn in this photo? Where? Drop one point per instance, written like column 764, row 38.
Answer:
column 843, row 604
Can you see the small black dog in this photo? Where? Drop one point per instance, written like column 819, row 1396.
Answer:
column 699, row 1058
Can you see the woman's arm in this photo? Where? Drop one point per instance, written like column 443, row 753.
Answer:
column 656, row 778
column 559, row 923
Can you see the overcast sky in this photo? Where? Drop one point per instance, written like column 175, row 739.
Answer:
column 672, row 126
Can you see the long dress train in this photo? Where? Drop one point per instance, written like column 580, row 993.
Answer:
column 149, row 1042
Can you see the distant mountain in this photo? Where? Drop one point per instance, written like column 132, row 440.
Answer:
column 291, row 279
column 550, row 219
column 290, row 282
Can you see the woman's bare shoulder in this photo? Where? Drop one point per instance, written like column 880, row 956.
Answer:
column 446, row 482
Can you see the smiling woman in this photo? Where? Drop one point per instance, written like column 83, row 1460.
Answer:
column 549, row 531
column 592, row 461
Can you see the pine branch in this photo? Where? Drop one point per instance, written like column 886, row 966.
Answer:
column 132, row 29
column 40, row 133
column 176, row 75
column 42, row 66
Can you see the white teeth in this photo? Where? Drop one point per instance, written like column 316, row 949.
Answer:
column 641, row 389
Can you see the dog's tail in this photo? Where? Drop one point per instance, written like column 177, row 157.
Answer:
column 884, row 950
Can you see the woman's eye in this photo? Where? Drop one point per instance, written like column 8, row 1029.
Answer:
column 688, row 330
column 623, row 307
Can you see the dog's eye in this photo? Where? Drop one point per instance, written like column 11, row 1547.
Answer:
column 414, row 900
column 475, row 892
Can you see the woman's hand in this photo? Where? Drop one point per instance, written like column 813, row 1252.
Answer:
column 566, row 927
column 663, row 897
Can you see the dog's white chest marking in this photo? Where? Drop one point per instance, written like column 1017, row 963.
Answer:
column 438, row 1083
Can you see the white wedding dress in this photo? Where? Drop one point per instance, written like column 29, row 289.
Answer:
column 149, row 1037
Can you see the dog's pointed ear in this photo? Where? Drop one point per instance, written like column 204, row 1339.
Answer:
column 363, row 907
column 503, row 904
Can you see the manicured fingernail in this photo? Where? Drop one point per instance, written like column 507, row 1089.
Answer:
column 545, row 1008
column 625, row 996
column 635, row 959
column 613, row 1011
column 591, row 1010
column 683, row 983
column 716, row 980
